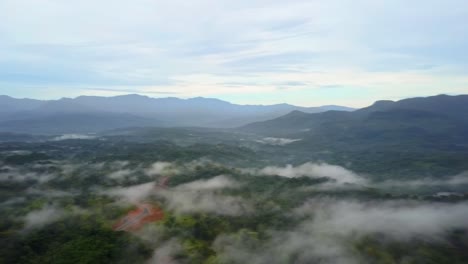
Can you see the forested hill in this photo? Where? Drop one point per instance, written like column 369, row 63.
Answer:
column 428, row 115
column 410, row 138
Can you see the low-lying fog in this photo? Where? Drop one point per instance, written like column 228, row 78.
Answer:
column 326, row 224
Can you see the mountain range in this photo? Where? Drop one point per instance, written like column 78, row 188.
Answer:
column 425, row 136
column 89, row 114
column 442, row 113
column 416, row 137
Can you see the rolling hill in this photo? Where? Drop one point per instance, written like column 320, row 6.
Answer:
column 425, row 136
column 95, row 114
column 436, row 114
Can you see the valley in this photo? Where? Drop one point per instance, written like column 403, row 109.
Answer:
column 383, row 186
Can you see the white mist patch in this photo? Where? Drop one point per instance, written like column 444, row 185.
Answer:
column 315, row 170
column 165, row 253
column 277, row 141
column 51, row 193
column 120, row 174
column 40, row 218
column 297, row 246
column 133, row 194
column 205, row 196
column 331, row 225
column 13, row 201
column 162, row 168
column 15, row 174
column 73, row 136
column 218, row 182
column 191, row 202
column 401, row 220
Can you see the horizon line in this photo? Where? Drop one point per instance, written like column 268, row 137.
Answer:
column 214, row 98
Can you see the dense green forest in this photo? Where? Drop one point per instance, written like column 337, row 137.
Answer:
column 222, row 203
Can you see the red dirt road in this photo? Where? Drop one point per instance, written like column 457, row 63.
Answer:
column 136, row 219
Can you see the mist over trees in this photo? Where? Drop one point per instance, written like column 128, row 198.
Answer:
column 377, row 185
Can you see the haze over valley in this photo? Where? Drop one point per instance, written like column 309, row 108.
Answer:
column 382, row 184
column 91, row 114
column 232, row 132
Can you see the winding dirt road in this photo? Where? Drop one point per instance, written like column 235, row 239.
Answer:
column 136, row 219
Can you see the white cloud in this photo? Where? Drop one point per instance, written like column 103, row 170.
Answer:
column 332, row 226
column 166, row 252
column 120, row 174
column 192, row 202
column 314, row 170
column 42, row 217
column 204, row 196
column 401, row 220
column 389, row 48
column 17, row 174
column 162, row 168
column 277, row 141
column 73, row 136
column 218, row 182
column 133, row 194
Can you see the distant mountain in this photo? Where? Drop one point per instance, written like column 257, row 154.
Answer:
column 437, row 121
column 454, row 107
column 337, row 108
column 199, row 111
column 94, row 113
column 430, row 113
column 425, row 136
column 9, row 104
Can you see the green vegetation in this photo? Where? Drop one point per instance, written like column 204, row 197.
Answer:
column 59, row 200
column 77, row 239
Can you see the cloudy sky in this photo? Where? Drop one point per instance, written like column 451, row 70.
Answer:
column 304, row 52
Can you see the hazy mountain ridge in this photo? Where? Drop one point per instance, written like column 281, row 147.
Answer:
column 406, row 134
column 54, row 116
column 450, row 109
column 372, row 186
column 451, row 106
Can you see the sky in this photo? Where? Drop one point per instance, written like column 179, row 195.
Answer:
column 302, row 52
